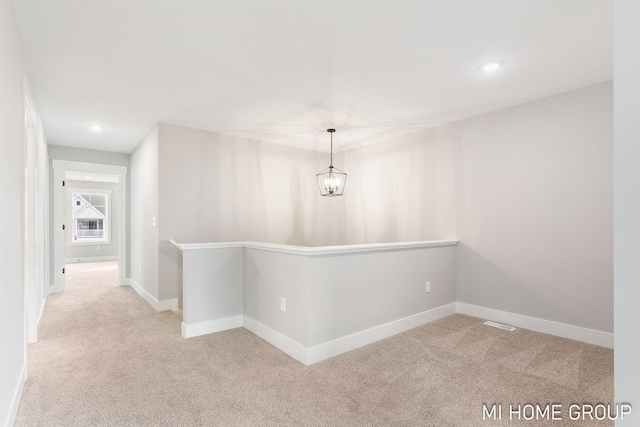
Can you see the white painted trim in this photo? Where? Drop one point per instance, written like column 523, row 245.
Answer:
column 369, row 336
column 41, row 310
column 164, row 305
column 318, row 353
column 59, row 218
column 175, row 244
column 214, row 245
column 316, row 250
column 108, row 217
column 94, row 177
column 88, row 167
column 590, row 336
column 91, row 259
column 143, row 292
column 211, row 326
column 278, row 340
column 16, row 398
column 31, row 215
column 59, row 235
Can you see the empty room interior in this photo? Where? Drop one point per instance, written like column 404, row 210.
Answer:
column 320, row 213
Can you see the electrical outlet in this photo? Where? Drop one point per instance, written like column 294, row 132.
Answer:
column 428, row 287
column 98, row 248
column 139, row 269
column 283, row 304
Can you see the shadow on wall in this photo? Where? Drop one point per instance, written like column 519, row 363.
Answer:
column 402, row 190
column 298, row 222
column 481, row 282
column 171, row 269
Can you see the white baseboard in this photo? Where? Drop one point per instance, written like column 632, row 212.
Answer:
column 41, row 310
column 211, row 326
column 276, row 339
column 91, row 259
column 54, row 289
column 360, row 339
column 16, row 398
column 167, row 304
column 590, row 336
column 318, row 353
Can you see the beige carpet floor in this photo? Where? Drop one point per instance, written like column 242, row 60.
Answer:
column 106, row 358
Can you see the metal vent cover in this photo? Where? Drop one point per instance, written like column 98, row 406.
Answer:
column 500, row 326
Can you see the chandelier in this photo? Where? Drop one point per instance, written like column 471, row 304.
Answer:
column 331, row 180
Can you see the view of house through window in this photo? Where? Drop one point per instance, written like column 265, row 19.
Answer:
column 90, row 217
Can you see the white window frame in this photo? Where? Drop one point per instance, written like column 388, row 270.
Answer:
column 106, row 240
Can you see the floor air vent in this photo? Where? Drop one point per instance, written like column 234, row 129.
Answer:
column 500, row 326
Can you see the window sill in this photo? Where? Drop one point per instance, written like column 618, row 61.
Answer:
column 89, row 242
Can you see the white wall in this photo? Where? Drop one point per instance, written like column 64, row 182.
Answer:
column 527, row 190
column 400, row 190
column 88, row 156
column 269, row 276
column 215, row 188
column 215, row 277
column 627, row 207
column 43, row 232
column 12, row 313
column 350, row 294
column 534, row 208
column 236, row 189
column 335, row 299
column 144, row 207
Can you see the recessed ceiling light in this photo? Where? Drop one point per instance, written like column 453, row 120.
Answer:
column 96, row 128
column 491, row 66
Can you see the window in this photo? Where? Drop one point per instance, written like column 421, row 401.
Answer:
column 89, row 229
column 90, row 217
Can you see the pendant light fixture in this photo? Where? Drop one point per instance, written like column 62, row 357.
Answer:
column 331, row 180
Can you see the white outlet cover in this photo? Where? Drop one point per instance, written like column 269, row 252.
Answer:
column 283, row 304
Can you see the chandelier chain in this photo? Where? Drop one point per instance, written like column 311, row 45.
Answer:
column 331, row 160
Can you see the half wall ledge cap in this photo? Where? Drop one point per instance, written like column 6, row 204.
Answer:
column 175, row 244
column 315, row 250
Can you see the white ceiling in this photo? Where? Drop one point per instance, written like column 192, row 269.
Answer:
column 283, row 71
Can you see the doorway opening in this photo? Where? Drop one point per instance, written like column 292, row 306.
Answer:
column 89, row 218
column 35, row 219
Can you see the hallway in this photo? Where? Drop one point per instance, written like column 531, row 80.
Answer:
column 75, row 310
column 96, row 343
